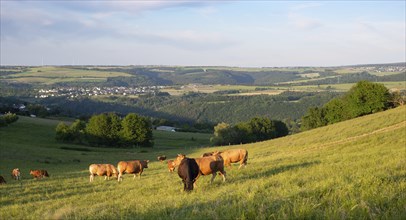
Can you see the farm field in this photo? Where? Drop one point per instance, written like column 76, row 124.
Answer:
column 354, row 169
column 50, row 75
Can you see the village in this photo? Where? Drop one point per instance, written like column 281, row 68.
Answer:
column 74, row 92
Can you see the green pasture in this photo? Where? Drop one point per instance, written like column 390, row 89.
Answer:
column 350, row 170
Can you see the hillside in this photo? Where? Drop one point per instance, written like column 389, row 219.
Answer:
column 354, row 169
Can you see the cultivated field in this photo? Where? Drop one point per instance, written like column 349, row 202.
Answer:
column 349, row 170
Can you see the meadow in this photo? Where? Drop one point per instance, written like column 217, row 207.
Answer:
column 350, row 170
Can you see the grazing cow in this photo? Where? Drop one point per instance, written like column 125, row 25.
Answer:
column 207, row 165
column 15, row 174
column 234, row 156
column 131, row 167
column 171, row 166
column 106, row 170
column 207, row 154
column 39, row 173
column 188, row 171
column 162, row 158
column 2, row 180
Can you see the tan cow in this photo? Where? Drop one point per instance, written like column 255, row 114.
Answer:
column 207, row 165
column 171, row 166
column 106, row 170
column 39, row 173
column 235, row 156
column 2, row 180
column 132, row 167
column 15, row 174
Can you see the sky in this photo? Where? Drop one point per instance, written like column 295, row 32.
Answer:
column 202, row 33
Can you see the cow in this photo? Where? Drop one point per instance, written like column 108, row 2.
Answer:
column 106, row 170
column 234, row 156
column 207, row 154
column 207, row 165
column 171, row 166
column 15, row 174
column 162, row 158
column 38, row 174
column 131, row 167
column 2, row 180
column 188, row 171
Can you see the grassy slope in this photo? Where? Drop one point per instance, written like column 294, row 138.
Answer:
column 354, row 169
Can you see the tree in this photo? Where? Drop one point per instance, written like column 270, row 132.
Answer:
column 366, row 98
column 136, row 130
column 63, row 133
column 314, row 118
column 103, row 129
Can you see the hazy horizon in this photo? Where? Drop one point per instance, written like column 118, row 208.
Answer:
column 203, row 33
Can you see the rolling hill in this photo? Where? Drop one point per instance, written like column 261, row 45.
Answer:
column 353, row 169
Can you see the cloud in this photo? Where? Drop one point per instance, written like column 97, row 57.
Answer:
column 304, row 22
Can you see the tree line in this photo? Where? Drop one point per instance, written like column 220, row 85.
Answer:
column 108, row 130
column 363, row 98
column 254, row 130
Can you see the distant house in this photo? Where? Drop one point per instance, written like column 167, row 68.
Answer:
column 166, row 128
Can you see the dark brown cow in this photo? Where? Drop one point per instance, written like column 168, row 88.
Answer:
column 162, row 158
column 131, row 167
column 39, row 173
column 15, row 174
column 106, row 170
column 235, row 156
column 188, row 171
column 207, row 165
column 2, row 180
column 171, row 166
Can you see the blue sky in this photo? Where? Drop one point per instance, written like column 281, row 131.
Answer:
column 226, row 33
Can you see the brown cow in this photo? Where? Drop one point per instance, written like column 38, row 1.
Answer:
column 39, row 173
column 2, row 180
column 106, row 170
column 207, row 154
column 207, row 165
column 234, row 156
column 162, row 158
column 131, row 167
column 171, row 166
column 188, row 171
column 15, row 174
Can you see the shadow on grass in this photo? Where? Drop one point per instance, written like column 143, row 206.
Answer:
column 276, row 170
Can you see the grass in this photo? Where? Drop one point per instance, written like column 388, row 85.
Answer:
column 350, row 170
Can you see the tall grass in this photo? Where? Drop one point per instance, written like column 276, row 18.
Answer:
column 354, row 169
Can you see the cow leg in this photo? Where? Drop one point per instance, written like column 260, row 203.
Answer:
column 223, row 174
column 119, row 177
column 105, row 177
column 91, row 178
column 213, row 176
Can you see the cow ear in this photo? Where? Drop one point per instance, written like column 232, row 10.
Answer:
column 147, row 161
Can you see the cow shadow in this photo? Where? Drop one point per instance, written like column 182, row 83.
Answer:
column 273, row 171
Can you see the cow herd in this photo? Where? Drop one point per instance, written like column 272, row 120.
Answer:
column 16, row 174
column 189, row 169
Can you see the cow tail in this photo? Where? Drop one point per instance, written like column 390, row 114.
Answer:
column 245, row 158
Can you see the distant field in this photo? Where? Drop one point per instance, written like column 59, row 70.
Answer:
column 51, row 75
column 353, row 170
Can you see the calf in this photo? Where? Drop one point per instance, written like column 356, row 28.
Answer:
column 2, row 180
column 171, row 166
column 15, row 174
column 38, row 174
column 162, row 158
